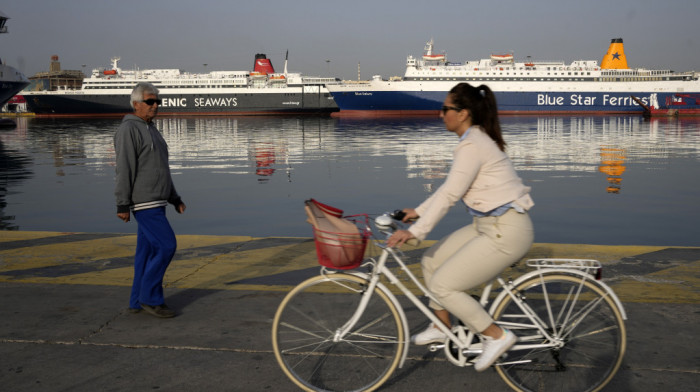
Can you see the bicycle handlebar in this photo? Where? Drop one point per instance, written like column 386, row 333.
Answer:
column 398, row 215
column 387, row 224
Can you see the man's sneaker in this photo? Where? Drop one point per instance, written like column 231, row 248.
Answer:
column 161, row 311
column 431, row 335
column 494, row 348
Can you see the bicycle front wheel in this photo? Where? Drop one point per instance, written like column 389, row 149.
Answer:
column 309, row 350
column 577, row 313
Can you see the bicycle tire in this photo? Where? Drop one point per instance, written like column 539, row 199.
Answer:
column 592, row 330
column 305, row 325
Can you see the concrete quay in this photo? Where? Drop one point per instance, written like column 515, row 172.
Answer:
column 64, row 325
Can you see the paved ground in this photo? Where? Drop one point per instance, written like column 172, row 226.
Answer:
column 64, row 324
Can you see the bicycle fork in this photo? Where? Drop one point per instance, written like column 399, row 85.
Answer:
column 350, row 324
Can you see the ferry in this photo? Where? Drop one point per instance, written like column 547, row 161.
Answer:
column 259, row 92
column 536, row 87
column 11, row 80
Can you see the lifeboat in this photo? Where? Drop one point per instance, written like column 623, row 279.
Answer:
column 502, row 57
column 434, row 57
column 109, row 72
column 428, row 54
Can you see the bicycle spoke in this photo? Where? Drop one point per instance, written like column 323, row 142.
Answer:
column 582, row 314
column 595, row 332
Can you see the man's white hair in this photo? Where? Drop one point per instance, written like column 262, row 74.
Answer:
column 140, row 90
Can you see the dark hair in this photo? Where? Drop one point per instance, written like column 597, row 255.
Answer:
column 481, row 103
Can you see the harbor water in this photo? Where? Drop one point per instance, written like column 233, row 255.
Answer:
column 612, row 180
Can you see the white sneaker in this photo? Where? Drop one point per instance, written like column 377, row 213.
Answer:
column 431, row 335
column 494, row 348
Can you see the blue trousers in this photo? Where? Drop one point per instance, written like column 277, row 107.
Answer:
column 155, row 248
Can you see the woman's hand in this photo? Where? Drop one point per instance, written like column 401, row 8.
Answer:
column 411, row 215
column 399, row 238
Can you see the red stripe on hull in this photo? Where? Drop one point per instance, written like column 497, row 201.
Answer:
column 191, row 114
column 674, row 112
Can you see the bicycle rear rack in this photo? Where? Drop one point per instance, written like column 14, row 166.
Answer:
column 592, row 267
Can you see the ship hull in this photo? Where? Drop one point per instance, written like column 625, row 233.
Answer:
column 310, row 100
column 398, row 98
column 9, row 89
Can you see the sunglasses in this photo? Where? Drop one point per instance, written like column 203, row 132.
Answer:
column 446, row 108
column 151, row 101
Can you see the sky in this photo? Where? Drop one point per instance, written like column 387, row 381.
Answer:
column 330, row 37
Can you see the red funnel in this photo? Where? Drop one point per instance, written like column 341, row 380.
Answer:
column 263, row 64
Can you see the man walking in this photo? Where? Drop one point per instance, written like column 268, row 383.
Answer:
column 144, row 186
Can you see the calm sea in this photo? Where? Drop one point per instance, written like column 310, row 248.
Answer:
column 595, row 180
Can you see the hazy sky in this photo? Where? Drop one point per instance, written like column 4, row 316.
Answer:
column 226, row 34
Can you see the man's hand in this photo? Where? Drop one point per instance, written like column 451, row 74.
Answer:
column 125, row 216
column 181, row 208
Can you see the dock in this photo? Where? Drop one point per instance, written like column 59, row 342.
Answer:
column 64, row 323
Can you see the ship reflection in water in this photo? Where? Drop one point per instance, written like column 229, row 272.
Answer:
column 595, row 179
column 611, row 163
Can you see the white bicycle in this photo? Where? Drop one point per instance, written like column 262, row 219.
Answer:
column 347, row 331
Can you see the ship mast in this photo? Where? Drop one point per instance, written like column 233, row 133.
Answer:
column 286, row 56
column 429, row 48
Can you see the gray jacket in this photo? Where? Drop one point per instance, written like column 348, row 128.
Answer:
column 143, row 173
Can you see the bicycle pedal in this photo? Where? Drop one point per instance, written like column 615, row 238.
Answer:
column 436, row 347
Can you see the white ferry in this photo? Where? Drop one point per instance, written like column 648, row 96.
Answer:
column 260, row 92
column 538, row 87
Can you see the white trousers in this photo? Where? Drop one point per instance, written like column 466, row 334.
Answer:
column 471, row 256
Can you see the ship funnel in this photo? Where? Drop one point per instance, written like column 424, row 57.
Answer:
column 615, row 58
column 263, row 64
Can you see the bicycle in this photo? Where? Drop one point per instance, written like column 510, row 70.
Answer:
column 345, row 330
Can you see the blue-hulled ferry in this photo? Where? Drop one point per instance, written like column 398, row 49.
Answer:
column 537, row 87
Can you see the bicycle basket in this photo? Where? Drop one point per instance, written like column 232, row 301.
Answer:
column 339, row 250
column 339, row 242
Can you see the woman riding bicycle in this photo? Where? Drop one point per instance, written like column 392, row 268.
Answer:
column 501, row 232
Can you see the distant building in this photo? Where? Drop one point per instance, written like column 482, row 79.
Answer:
column 56, row 78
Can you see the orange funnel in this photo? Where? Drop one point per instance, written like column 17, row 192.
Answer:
column 615, row 58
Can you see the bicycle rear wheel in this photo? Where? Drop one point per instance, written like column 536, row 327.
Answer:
column 583, row 318
column 305, row 343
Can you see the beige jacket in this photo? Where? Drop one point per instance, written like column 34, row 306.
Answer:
column 481, row 175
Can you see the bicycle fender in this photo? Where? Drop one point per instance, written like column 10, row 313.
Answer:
column 399, row 308
column 561, row 271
